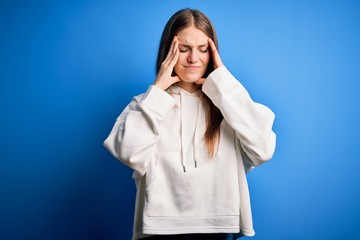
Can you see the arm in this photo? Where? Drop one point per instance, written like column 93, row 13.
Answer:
column 252, row 122
column 136, row 130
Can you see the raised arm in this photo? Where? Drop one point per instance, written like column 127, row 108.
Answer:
column 136, row 130
column 251, row 121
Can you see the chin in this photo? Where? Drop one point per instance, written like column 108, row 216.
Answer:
column 190, row 78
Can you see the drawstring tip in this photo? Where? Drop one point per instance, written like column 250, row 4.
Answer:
column 184, row 168
column 196, row 164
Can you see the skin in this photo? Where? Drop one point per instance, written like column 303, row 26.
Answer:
column 188, row 56
column 194, row 56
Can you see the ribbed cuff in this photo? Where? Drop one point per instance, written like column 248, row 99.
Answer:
column 220, row 80
column 158, row 101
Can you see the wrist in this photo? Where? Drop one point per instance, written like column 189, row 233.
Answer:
column 161, row 86
column 218, row 65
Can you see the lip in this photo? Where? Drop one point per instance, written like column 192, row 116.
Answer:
column 192, row 68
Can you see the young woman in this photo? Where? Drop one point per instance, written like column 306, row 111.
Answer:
column 191, row 139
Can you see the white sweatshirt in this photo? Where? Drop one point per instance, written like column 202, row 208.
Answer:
column 179, row 188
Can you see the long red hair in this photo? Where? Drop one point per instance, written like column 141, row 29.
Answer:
column 180, row 20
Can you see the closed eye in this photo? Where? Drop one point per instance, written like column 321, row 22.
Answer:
column 185, row 48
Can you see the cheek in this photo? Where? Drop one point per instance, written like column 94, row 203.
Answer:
column 177, row 68
column 179, row 62
column 205, row 59
column 182, row 58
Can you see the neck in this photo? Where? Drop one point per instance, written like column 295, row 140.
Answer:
column 189, row 87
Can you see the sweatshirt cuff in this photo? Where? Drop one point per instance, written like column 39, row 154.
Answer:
column 220, row 80
column 158, row 101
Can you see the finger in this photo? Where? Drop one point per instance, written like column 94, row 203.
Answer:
column 172, row 49
column 175, row 56
column 175, row 44
column 215, row 54
column 213, row 48
column 175, row 79
column 171, row 60
column 200, row 81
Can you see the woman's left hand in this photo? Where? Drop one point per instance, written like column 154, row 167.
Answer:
column 215, row 57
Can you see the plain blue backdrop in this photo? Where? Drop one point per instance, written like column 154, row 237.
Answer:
column 68, row 68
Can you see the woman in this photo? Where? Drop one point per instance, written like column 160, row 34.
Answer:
column 191, row 138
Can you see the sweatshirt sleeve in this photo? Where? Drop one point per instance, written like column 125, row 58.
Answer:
column 136, row 130
column 251, row 121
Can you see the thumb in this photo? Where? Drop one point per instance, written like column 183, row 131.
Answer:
column 200, row 81
column 175, row 79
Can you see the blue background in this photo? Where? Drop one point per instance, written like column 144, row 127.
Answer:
column 68, row 68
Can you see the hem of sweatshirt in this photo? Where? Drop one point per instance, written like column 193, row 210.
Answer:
column 188, row 225
column 157, row 101
column 194, row 230
column 248, row 233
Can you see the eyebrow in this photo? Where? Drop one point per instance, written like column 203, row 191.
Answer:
column 190, row 46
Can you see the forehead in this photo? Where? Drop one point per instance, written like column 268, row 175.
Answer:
column 192, row 36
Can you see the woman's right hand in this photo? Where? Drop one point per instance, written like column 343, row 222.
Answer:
column 164, row 79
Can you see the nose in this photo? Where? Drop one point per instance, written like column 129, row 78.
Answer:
column 193, row 57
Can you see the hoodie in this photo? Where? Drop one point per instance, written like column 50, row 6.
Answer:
column 180, row 189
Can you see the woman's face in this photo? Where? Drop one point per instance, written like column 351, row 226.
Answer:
column 194, row 54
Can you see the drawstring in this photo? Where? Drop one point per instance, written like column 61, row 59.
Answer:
column 194, row 140
column 181, row 133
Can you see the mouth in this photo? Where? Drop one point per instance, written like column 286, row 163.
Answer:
column 192, row 68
